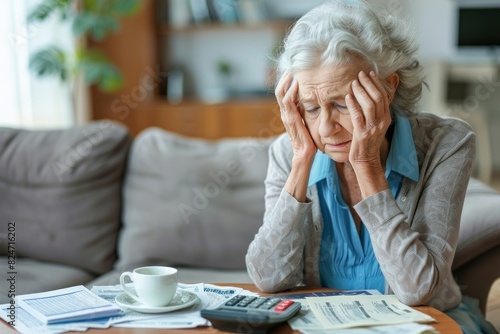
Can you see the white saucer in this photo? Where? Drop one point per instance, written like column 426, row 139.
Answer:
column 182, row 299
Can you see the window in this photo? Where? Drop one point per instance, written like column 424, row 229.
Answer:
column 29, row 101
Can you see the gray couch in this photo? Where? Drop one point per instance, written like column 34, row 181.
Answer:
column 82, row 205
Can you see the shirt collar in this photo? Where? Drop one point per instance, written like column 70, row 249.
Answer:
column 321, row 167
column 402, row 157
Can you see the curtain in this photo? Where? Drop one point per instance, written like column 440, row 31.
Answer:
column 29, row 101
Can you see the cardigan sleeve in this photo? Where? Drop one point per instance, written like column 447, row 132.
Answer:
column 275, row 257
column 416, row 255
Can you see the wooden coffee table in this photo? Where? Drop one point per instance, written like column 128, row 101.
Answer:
column 444, row 324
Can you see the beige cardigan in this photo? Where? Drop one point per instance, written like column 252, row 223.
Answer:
column 414, row 236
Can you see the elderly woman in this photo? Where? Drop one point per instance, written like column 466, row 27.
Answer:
column 362, row 191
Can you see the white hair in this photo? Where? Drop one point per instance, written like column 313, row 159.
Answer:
column 338, row 32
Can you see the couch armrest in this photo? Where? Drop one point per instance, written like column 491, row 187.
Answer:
column 476, row 277
column 478, row 251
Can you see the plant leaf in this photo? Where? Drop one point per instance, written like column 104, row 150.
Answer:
column 51, row 61
column 124, row 7
column 95, row 24
column 44, row 9
column 98, row 70
column 95, row 18
column 113, row 8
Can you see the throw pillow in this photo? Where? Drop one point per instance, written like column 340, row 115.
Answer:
column 192, row 202
column 60, row 193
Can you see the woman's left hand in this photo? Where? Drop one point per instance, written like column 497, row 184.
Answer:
column 369, row 109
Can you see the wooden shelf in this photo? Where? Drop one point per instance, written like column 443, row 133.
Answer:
column 236, row 118
column 136, row 49
column 278, row 25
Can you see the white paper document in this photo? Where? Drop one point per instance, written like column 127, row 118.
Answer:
column 338, row 312
column 70, row 304
column 210, row 296
column 411, row 328
column 306, row 319
column 25, row 323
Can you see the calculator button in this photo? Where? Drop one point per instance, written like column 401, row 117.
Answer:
column 270, row 303
column 266, row 306
column 246, row 301
column 233, row 301
column 283, row 305
column 257, row 302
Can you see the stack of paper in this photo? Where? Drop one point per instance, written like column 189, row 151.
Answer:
column 75, row 308
column 67, row 305
column 359, row 313
column 78, row 309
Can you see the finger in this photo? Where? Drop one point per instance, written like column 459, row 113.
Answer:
column 289, row 107
column 357, row 117
column 380, row 88
column 282, row 86
column 376, row 80
column 375, row 90
column 290, row 98
column 366, row 104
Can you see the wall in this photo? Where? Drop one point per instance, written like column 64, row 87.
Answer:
column 436, row 21
column 246, row 51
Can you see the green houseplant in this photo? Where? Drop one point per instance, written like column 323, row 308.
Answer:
column 91, row 20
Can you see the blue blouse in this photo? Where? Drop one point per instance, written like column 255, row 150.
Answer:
column 347, row 260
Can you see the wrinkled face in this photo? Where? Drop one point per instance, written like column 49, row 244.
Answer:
column 321, row 100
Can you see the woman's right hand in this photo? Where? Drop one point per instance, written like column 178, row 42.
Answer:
column 286, row 93
column 303, row 145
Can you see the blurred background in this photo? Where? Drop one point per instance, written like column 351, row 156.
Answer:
column 203, row 68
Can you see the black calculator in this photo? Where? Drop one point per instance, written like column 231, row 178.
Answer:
column 251, row 314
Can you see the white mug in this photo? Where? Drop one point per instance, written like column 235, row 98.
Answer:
column 155, row 285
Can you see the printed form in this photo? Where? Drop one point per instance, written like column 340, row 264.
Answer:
column 355, row 311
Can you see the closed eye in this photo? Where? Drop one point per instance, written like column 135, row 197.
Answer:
column 341, row 108
column 312, row 110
